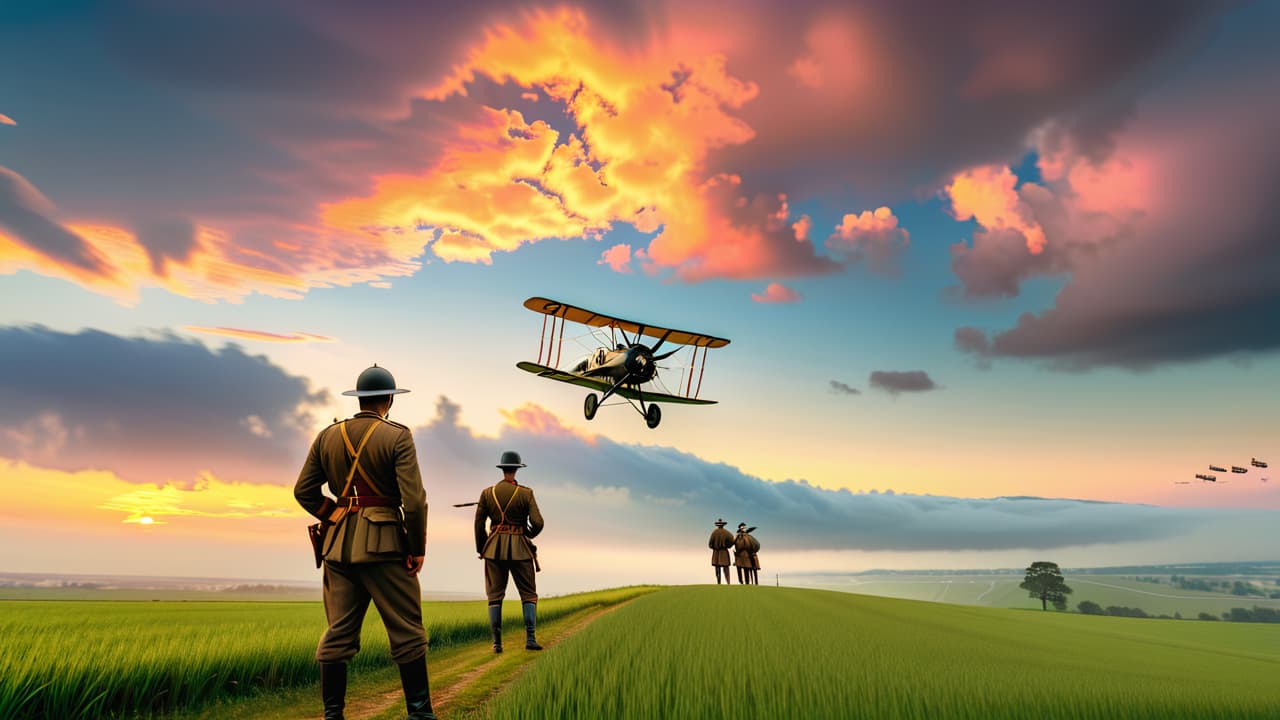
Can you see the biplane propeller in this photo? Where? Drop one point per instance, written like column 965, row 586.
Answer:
column 622, row 370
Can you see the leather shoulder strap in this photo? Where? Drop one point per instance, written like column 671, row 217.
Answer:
column 355, row 452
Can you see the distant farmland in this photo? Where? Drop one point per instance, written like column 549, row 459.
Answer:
column 1002, row 591
column 743, row 652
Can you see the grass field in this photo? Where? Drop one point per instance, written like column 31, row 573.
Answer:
column 1002, row 591
column 746, row 652
column 81, row 659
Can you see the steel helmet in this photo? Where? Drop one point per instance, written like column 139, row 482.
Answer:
column 510, row 459
column 375, row 381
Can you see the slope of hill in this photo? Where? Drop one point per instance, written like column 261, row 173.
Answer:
column 741, row 652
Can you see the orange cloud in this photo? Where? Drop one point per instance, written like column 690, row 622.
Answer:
column 986, row 194
column 6, row 120
column 646, row 119
column 537, row 420
column 263, row 336
column 776, row 293
column 617, row 257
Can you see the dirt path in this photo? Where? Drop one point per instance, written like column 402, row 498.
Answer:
column 454, row 676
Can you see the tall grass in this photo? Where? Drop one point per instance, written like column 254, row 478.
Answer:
column 86, row 659
column 752, row 652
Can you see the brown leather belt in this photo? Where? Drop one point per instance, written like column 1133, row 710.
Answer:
column 507, row 529
column 364, row 501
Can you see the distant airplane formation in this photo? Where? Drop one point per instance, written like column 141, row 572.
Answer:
column 1236, row 469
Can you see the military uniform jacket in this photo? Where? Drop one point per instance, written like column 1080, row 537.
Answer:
column 513, row 517
column 744, row 546
column 720, row 542
column 390, row 462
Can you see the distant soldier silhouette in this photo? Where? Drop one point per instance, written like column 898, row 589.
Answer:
column 720, row 542
column 742, row 544
column 370, row 465
column 514, row 519
column 755, row 557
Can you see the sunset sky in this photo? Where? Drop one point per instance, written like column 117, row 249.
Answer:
column 978, row 262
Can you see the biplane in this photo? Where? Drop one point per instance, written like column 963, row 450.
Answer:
column 1257, row 463
column 1207, row 478
column 628, row 368
column 1238, row 469
column 1216, row 468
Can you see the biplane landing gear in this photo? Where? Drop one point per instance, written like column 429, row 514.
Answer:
column 590, row 405
column 653, row 416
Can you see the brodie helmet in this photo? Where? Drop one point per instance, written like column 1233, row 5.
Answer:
column 510, row 459
column 375, row 381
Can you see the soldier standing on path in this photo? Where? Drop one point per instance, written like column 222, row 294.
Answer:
column 514, row 519
column 720, row 542
column 742, row 554
column 370, row 465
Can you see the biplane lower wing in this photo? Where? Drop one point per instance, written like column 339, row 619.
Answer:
column 600, row 385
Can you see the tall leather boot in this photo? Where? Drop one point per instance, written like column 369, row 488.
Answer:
column 717, row 575
column 495, row 624
column 417, row 692
column 530, row 619
column 333, row 689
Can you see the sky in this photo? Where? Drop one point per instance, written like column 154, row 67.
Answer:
column 1000, row 279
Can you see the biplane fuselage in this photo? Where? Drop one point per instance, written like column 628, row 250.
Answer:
column 628, row 369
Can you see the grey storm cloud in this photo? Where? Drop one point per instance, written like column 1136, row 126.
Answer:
column 844, row 388
column 149, row 409
column 896, row 382
column 598, row 489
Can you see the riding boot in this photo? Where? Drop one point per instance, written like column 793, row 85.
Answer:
column 417, row 691
column 495, row 624
column 333, row 689
column 717, row 575
column 530, row 617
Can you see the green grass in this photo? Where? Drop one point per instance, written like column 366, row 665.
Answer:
column 746, row 652
column 121, row 659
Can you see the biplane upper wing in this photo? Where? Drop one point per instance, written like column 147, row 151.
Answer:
column 590, row 318
column 600, row 385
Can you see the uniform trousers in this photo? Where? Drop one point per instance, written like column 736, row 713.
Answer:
column 348, row 588
column 495, row 579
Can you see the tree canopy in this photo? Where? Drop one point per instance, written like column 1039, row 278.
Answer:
column 1044, row 581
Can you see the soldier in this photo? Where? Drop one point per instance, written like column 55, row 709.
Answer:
column 742, row 554
column 755, row 557
column 720, row 542
column 370, row 465
column 514, row 519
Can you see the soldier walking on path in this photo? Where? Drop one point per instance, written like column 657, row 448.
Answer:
column 370, row 465
column 514, row 519
column 742, row 554
column 720, row 542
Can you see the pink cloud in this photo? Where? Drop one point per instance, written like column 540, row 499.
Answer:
column 618, row 258
column 873, row 237
column 6, row 120
column 776, row 293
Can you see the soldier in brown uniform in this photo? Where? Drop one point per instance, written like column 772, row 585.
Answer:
column 514, row 519
column 742, row 554
column 720, row 542
column 370, row 465
column 755, row 557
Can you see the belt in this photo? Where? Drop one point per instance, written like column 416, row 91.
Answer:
column 364, row 501
column 507, row 529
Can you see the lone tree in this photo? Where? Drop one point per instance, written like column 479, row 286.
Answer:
column 1044, row 581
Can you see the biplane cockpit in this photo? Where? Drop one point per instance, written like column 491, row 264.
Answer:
column 621, row 366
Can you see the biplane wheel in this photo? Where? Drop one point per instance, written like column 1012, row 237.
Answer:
column 590, row 405
column 653, row 416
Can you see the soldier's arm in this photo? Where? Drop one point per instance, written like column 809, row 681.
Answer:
column 535, row 517
column 482, row 512
column 412, row 495
column 308, row 489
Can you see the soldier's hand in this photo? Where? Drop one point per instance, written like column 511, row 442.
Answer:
column 414, row 563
